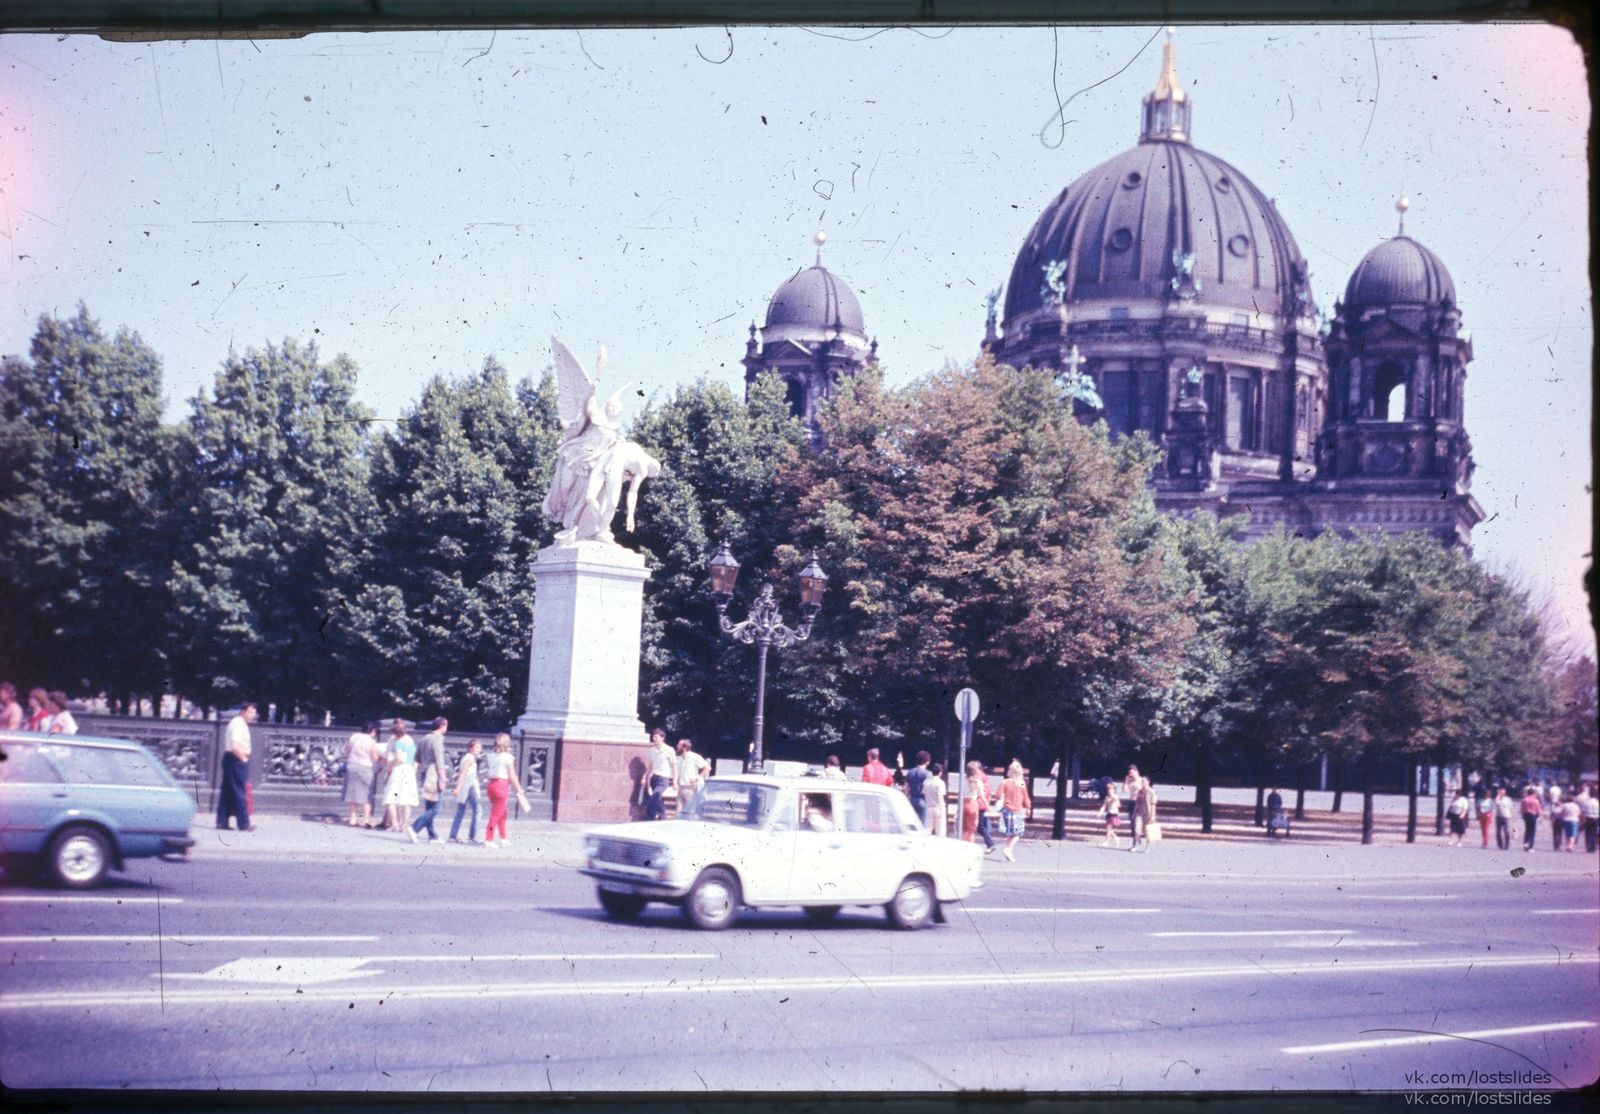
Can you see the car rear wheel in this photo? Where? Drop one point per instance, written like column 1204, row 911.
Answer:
column 713, row 903
column 822, row 914
column 624, row 907
column 79, row 858
column 912, row 904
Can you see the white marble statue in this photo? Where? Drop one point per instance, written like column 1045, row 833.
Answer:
column 595, row 465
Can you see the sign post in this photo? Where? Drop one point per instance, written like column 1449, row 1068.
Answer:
column 966, row 712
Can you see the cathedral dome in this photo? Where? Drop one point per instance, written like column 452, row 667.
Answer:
column 1399, row 272
column 1118, row 226
column 816, row 299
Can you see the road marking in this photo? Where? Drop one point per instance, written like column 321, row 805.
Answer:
column 1435, row 1038
column 1401, row 897
column 552, row 957
column 368, row 994
column 1565, row 912
column 1047, row 909
column 53, row 900
column 298, row 971
column 150, row 938
column 1269, row 932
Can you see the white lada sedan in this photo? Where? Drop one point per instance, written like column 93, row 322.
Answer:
column 767, row 841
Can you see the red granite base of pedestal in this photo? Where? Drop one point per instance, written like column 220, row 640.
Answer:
column 598, row 783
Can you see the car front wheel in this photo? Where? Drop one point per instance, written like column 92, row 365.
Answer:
column 714, row 901
column 912, row 904
column 79, row 858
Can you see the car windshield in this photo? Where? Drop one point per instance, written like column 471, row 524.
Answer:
column 733, row 802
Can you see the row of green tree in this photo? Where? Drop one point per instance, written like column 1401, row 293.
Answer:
column 283, row 544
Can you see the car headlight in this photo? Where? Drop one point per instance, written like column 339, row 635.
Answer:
column 591, row 846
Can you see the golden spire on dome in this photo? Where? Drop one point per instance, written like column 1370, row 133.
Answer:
column 1400, row 207
column 1167, row 106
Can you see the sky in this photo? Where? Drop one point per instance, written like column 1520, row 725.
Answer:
column 420, row 201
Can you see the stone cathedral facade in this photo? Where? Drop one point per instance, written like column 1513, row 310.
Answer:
column 1170, row 280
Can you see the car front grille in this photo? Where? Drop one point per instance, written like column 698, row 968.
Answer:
column 625, row 852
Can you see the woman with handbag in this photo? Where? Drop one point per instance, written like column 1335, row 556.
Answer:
column 359, row 758
column 400, row 794
column 498, row 766
column 976, row 807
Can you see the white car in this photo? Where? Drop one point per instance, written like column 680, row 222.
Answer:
column 764, row 841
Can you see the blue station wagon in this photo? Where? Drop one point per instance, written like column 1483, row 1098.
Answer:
column 78, row 806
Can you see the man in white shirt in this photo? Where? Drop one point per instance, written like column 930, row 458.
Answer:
column 660, row 775
column 692, row 770
column 232, row 800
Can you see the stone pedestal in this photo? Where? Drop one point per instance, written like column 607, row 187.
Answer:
column 583, row 676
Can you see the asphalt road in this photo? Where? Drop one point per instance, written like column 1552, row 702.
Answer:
column 1244, row 968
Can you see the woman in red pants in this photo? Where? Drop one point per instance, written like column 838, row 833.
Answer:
column 498, row 767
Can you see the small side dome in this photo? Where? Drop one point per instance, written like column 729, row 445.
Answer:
column 816, row 299
column 1399, row 272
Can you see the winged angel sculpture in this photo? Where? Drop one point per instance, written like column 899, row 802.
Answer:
column 595, row 464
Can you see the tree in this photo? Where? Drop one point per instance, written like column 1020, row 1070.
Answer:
column 85, row 469
column 980, row 534
column 721, row 462
column 436, row 619
column 274, row 471
column 1572, row 728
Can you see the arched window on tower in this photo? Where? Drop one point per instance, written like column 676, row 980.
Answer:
column 1389, row 393
column 1117, row 392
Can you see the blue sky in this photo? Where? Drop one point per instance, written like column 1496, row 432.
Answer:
column 420, row 201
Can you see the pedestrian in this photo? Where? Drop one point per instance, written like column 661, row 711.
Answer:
column 1589, row 810
column 1130, row 796
column 1110, row 809
column 660, row 777
column 1571, row 815
column 832, row 770
column 38, row 714
column 1485, row 809
column 60, row 721
column 875, row 772
column 1532, row 807
column 400, row 792
column 433, row 776
column 1144, row 813
column 1457, row 814
column 1014, row 806
column 692, row 770
column 11, row 714
column 916, row 778
column 360, row 754
column 232, row 800
column 380, row 781
column 975, row 808
column 934, row 789
column 1504, row 809
column 1276, row 819
column 467, row 793
column 1552, row 809
column 498, row 770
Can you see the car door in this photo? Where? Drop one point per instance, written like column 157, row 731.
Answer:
column 814, row 876
column 33, row 797
column 875, row 849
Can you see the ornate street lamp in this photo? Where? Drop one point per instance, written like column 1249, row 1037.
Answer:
column 764, row 625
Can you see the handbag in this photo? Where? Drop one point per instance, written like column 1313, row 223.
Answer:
column 430, row 781
column 1152, row 832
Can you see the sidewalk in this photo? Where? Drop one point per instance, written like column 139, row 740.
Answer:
column 546, row 843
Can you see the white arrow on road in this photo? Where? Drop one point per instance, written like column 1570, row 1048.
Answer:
column 302, row 971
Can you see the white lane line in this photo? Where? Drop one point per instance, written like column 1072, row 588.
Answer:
column 1435, row 1038
column 57, row 900
column 1400, row 897
column 303, row 970
column 176, row 938
column 1566, row 912
column 1346, row 932
column 1046, row 909
column 632, row 987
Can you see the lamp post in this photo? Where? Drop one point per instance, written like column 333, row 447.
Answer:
column 763, row 626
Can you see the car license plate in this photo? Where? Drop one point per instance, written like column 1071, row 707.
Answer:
column 616, row 887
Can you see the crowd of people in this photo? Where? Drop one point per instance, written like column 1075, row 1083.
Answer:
column 386, row 778
column 1570, row 815
column 46, row 712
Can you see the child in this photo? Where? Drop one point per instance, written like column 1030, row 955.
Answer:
column 1110, row 809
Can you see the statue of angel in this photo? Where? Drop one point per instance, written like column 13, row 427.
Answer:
column 594, row 464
